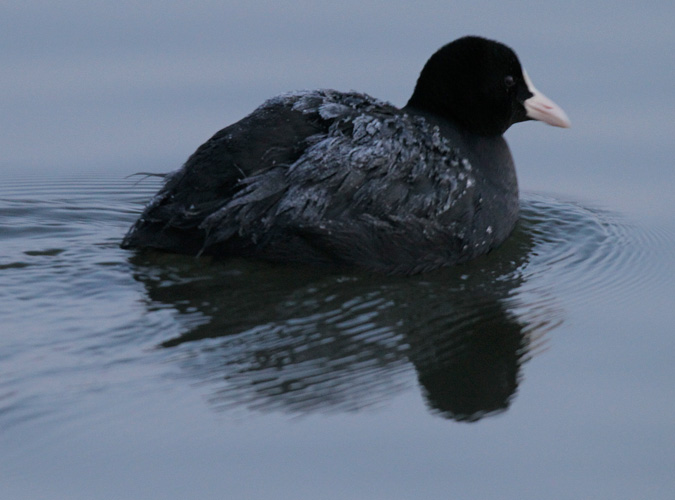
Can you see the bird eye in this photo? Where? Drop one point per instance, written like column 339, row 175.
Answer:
column 509, row 81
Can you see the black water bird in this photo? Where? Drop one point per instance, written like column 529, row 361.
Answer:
column 342, row 178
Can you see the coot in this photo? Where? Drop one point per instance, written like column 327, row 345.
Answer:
column 342, row 178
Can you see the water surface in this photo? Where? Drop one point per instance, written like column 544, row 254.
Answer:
column 99, row 343
column 543, row 370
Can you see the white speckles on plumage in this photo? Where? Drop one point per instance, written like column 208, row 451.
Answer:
column 365, row 127
column 329, row 111
column 373, row 160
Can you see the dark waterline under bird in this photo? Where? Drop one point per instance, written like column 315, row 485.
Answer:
column 342, row 178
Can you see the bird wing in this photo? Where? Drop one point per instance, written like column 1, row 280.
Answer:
column 367, row 191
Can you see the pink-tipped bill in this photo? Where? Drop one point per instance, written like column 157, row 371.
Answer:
column 540, row 107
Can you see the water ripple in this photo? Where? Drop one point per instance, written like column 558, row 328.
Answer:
column 585, row 253
column 290, row 338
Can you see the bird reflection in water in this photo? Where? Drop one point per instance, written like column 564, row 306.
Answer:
column 299, row 339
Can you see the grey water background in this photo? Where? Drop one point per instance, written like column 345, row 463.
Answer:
column 542, row 371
